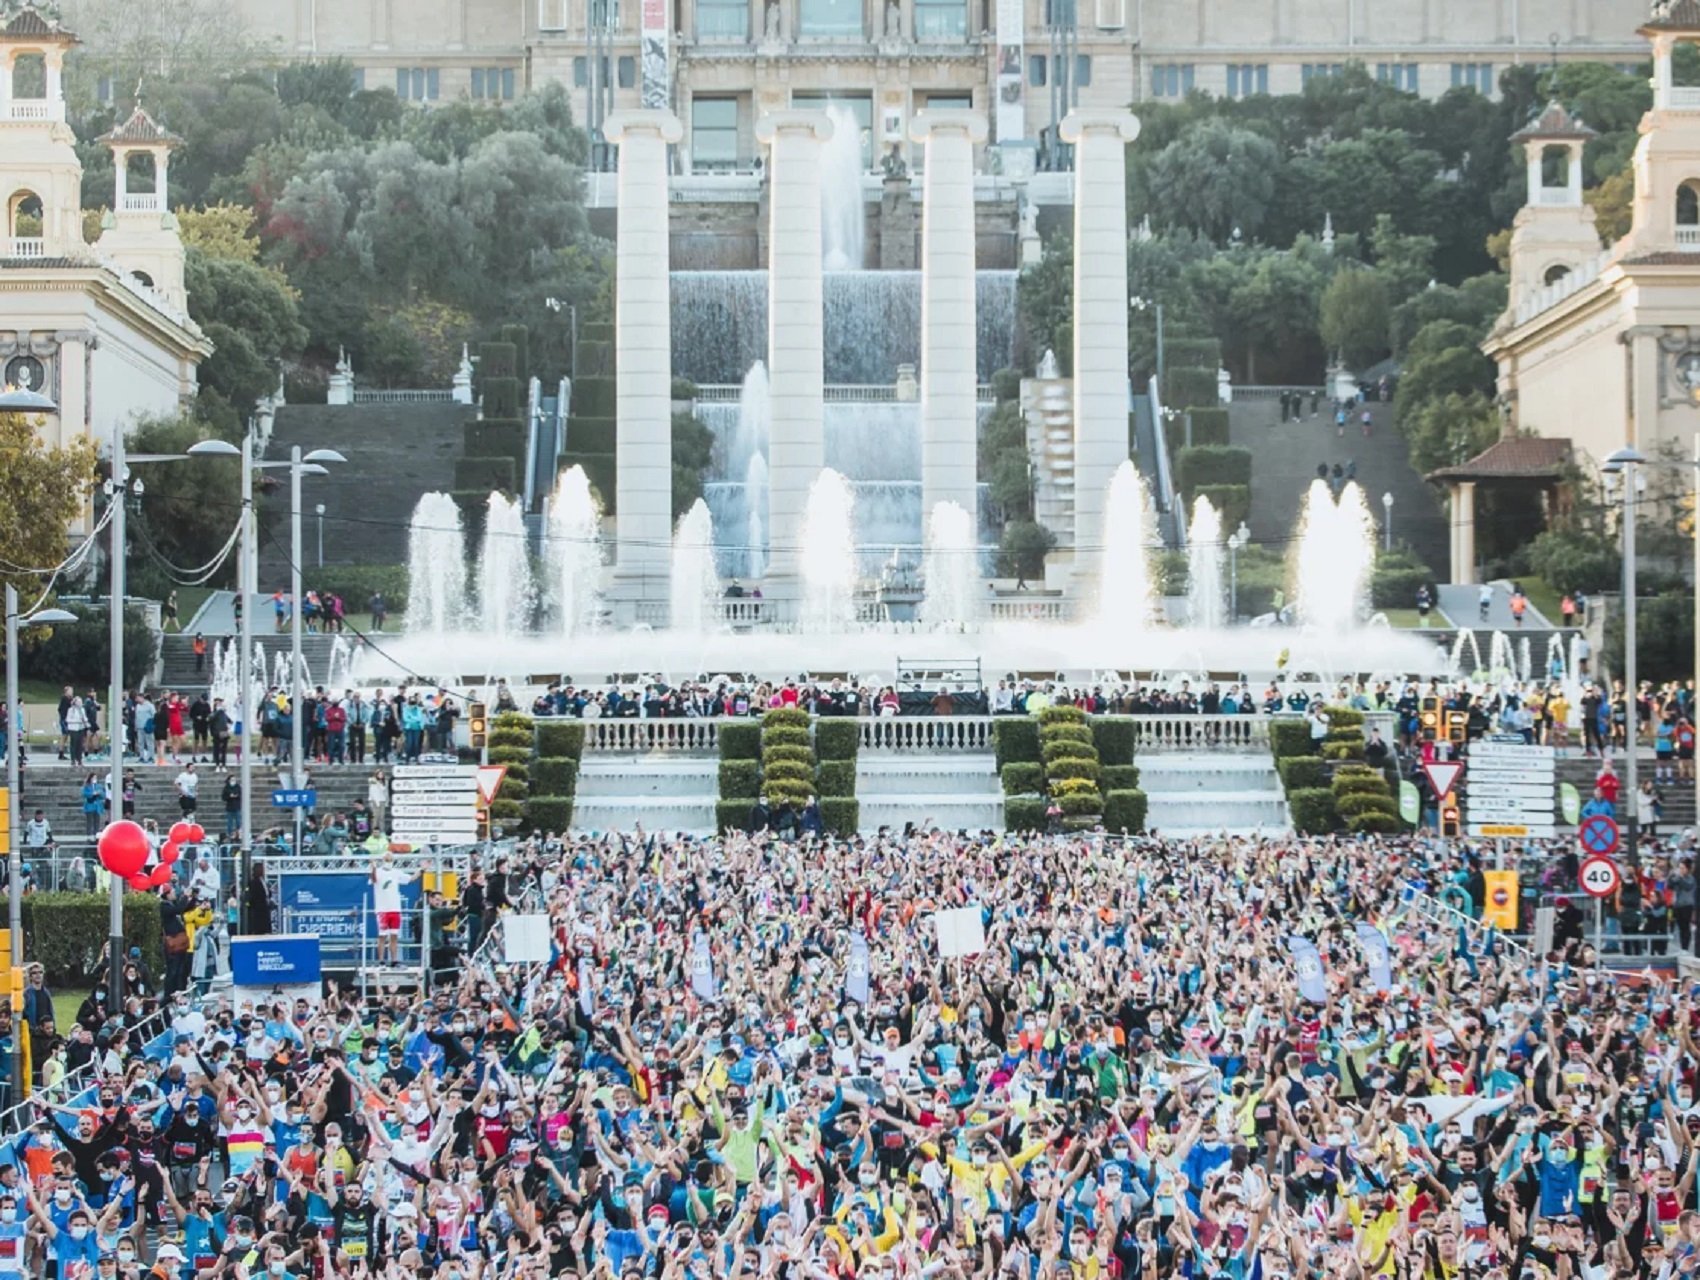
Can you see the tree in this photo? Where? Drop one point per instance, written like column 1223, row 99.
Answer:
column 165, row 38
column 1664, row 637
column 188, row 510
column 1613, row 203
column 693, row 451
column 1405, row 262
column 1475, row 304
column 1279, row 301
column 1044, row 299
column 1354, row 317
column 250, row 314
column 46, row 488
column 1213, row 179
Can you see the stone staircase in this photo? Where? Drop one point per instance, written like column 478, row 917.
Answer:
column 953, row 792
column 660, row 792
column 177, row 657
column 1678, row 796
column 1209, row 793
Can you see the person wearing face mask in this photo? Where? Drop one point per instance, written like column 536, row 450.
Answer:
column 247, row 1119
column 73, row 1248
column 12, row 1237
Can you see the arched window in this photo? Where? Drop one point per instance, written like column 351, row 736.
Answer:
column 1687, row 205
column 23, row 215
column 29, row 76
column 141, row 173
column 1555, row 273
column 1555, row 166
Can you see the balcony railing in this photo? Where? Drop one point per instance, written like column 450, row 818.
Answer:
column 382, row 395
column 33, row 109
column 1200, row 733
column 140, row 202
column 26, row 247
column 1559, row 196
column 927, row 733
column 1685, row 98
column 1688, row 238
column 667, row 737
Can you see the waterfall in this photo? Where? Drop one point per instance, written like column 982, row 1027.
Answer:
column 843, row 223
column 826, row 557
column 504, row 571
column 695, row 586
column 951, row 569
column 436, row 566
column 1206, row 596
column 1127, row 587
column 572, row 554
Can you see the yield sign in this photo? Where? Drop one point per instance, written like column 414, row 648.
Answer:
column 1442, row 777
column 490, row 780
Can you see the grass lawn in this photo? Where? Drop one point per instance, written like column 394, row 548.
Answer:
column 1544, row 598
column 1409, row 618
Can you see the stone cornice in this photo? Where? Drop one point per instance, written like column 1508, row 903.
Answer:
column 182, row 340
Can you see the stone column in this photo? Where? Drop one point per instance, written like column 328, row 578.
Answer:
column 796, row 450
column 948, row 329
column 1463, row 522
column 643, row 440
column 1100, row 141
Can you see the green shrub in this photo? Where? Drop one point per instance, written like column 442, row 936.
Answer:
column 1233, row 502
column 78, row 655
column 593, row 397
column 1289, row 738
column 1015, row 738
column 785, row 754
column 1356, row 771
column 1062, row 715
column 1313, row 810
column 513, row 788
column 64, row 933
column 1398, row 574
column 1023, row 814
column 836, row 778
column 494, row 438
column 1065, row 749
column 1081, row 802
column 1073, row 787
column 1346, row 784
column 1182, row 385
column 777, row 771
column 1377, row 823
column 1006, row 384
column 1113, row 736
column 733, row 814
column 1082, row 822
column 1342, row 751
column 549, row 813
column 591, row 435
column 516, row 769
column 485, row 474
column 554, row 776
column 1209, row 425
column 355, row 583
column 795, row 717
column 513, row 720
column 497, row 360
column 739, row 778
column 740, row 741
column 560, row 738
column 1352, row 803
column 1049, row 733
column 1022, row 777
column 1340, row 718
column 1212, row 464
column 840, row 815
column 506, row 813
column 1073, row 767
column 837, row 739
column 1120, row 777
column 1124, row 809
column 784, row 735
column 684, row 389
column 1194, row 353
column 797, row 792
column 508, row 754
column 1300, row 773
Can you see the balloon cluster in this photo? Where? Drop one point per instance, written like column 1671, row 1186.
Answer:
column 126, row 852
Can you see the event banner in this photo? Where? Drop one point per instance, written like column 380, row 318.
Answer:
column 655, row 71
column 1012, row 104
column 275, row 960
column 331, row 904
column 1500, row 909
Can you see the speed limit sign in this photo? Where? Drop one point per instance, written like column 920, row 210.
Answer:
column 1598, row 877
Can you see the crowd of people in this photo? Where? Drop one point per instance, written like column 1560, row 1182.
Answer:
column 937, row 1056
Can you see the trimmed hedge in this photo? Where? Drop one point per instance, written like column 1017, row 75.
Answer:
column 836, row 779
column 1289, row 738
column 782, row 752
column 841, row 815
column 560, row 738
column 1352, row 803
column 1073, row 767
column 795, row 717
column 1120, row 777
column 1073, row 787
column 513, row 787
column 784, row 735
column 1022, row 778
column 1015, row 738
column 1064, row 748
column 733, row 814
column 1344, row 718
column 1355, row 784
column 64, row 933
column 494, row 438
column 837, row 739
column 1233, row 501
column 506, row 813
column 1313, row 810
column 593, row 397
column 510, row 755
column 1124, row 809
column 1079, row 804
column 1342, row 751
column 788, row 771
column 591, row 435
column 1299, row 773
column 1113, row 736
column 485, row 474
column 1212, row 464
column 1209, row 425
column 520, row 769
column 1182, row 386
column 1023, row 814
column 1064, row 733
column 740, row 741
column 549, row 813
column 1062, row 715
column 554, row 775
column 1193, row 353
column 1377, row 823
column 497, row 360
column 739, row 778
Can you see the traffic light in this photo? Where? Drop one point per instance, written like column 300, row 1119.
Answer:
column 1451, row 821
column 1429, row 718
column 477, row 723
column 1457, row 726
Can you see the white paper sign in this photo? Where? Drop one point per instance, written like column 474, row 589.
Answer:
column 525, row 939
column 962, row 932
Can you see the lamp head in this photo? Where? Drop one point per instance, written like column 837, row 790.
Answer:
column 323, row 455
column 1625, row 457
column 20, row 400
column 45, row 617
column 214, row 449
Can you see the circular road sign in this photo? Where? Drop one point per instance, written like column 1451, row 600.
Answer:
column 1598, row 834
column 1598, row 877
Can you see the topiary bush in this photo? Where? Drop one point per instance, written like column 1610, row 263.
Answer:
column 782, row 789
column 781, row 717
column 549, row 813
column 1289, row 738
column 841, row 815
column 1074, row 787
column 1073, row 767
column 836, row 778
column 1023, row 814
column 837, row 739
column 1313, row 810
column 1377, row 823
column 733, row 814
column 1022, row 777
column 1077, row 804
column 510, row 755
column 1119, row 777
column 509, row 738
column 1064, row 748
column 506, row 813
column 1015, row 738
column 554, row 775
column 1061, row 715
column 560, row 738
column 785, row 736
column 774, row 771
column 1301, row 772
column 1113, row 736
column 1359, row 784
column 740, row 741
column 1124, row 808
column 1211, row 464
column 1352, row 803
column 740, row 778
column 1342, row 751
column 784, row 753
column 1051, row 733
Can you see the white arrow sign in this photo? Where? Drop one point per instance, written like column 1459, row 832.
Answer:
column 1512, row 830
column 1516, row 777
column 1482, row 752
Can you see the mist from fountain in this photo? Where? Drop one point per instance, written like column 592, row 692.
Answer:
column 695, row 588
column 750, row 431
column 505, row 595
column 755, row 503
column 1127, row 586
column 436, row 566
column 572, row 554
column 1455, row 663
column 339, row 664
column 843, row 217
column 1336, row 553
column 826, row 557
column 1206, row 592
column 950, row 569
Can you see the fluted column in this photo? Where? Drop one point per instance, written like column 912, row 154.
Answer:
column 1100, row 141
column 643, row 439
column 948, row 328
column 795, row 314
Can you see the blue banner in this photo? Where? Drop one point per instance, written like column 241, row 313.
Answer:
column 856, row 974
column 331, row 903
column 1374, row 943
column 702, row 968
column 275, row 960
column 1307, row 961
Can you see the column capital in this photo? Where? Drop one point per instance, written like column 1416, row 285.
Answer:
column 793, row 120
column 948, row 120
column 620, row 125
column 1078, row 124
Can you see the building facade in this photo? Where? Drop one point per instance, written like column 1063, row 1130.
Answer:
column 721, row 64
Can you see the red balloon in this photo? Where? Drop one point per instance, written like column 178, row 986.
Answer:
column 138, row 882
column 123, row 848
column 197, row 833
column 179, row 833
column 168, row 853
column 161, row 875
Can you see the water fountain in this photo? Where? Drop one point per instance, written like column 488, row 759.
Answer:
column 505, row 594
column 1336, row 553
column 755, row 523
column 1127, row 589
column 695, row 586
column 826, row 558
column 339, row 664
column 1502, row 662
column 572, row 554
column 1455, row 662
column 749, row 436
column 951, row 570
column 1205, row 551
column 436, row 566
column 844, row 229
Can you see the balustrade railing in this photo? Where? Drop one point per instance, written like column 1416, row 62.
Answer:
column 927, row 733
column 1040, row 609
column 670, row 737
column 1199, row 733
column 385, row 395
column 745, row 612
column 140, row 202
column 26, row 247
column 34, row 109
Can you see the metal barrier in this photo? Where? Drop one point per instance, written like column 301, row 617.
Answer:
column 151, row 1031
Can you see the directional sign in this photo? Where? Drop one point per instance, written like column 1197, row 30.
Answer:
column 1598, row 877
column 1598, row 834
column 284, row 798
column 1511, row 830
column 1540, row 797
column 1442, row 776
column 1482, row 752
column 434, row 804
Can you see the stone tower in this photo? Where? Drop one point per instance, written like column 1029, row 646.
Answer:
column 1554, row 232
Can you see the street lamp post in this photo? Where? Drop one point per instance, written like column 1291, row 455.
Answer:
column 1139, row 303
column 1237, row 541
column 299, row 465
column 1624, row 464
column 319, row 511
column 1387, row 522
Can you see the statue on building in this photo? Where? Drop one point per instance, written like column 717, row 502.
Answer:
column 773, row 20
column 892, row 164
column 893, row 21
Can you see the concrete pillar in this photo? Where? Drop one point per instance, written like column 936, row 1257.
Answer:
column 643, row 406
column 948, row 328
column 795, row 313
column 1463, row 523
column 1100, row 141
